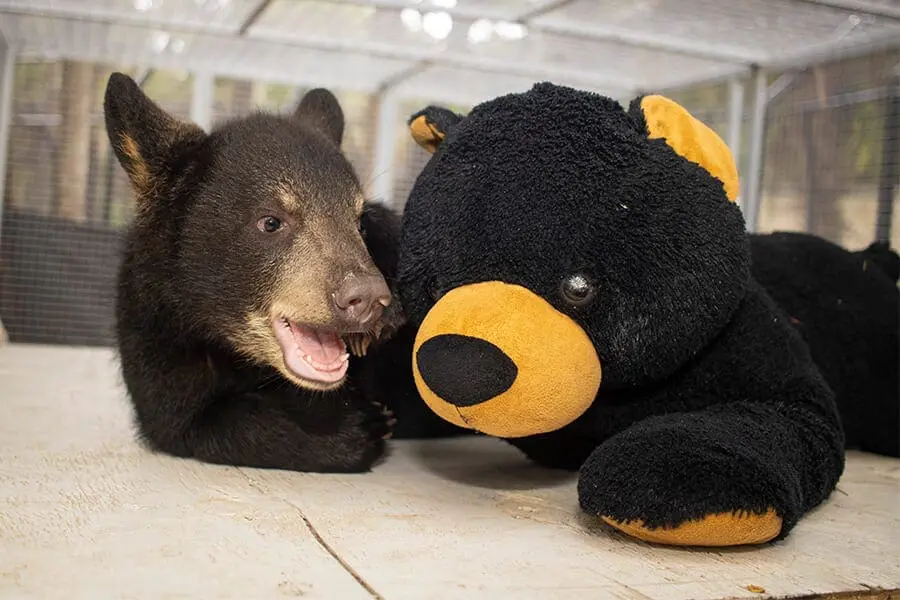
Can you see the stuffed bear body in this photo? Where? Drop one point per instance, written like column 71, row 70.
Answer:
column 583, row 287
column 846, row 306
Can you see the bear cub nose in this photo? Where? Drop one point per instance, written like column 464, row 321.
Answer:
column 360, row 299
column 486, row 370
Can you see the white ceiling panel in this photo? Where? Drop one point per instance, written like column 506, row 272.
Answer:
column 365, row 29
column 491, row 9
column 605, row 60
column 212, row 15
column 521, row 52
column 760, row 31
column 441, row 85
column 340, row 24
column 51, row 38
column 470, row 47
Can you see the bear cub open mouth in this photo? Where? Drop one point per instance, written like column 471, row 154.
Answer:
column 317, row 354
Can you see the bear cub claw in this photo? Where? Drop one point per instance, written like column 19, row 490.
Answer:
column 389, row 419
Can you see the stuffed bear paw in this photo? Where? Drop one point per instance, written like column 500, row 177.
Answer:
column 684, row 480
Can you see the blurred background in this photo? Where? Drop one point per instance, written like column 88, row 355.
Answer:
column 806, row 92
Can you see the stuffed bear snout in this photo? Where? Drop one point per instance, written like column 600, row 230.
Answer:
column 499, row 359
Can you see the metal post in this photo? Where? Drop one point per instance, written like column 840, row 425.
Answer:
column 735, row 118
column 890, row 161
column 752, row 199
column 813, row 186
column 385, row 147
column 202, row 99
column 7, row 71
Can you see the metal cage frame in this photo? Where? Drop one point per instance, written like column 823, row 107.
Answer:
column 371, row 46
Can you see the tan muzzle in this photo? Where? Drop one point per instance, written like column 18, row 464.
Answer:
column 499, row 359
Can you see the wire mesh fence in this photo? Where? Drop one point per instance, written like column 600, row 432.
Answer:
column 831, row 147
column 831, row 165
column 66, row 200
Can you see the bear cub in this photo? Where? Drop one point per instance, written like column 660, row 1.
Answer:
column 246, row 276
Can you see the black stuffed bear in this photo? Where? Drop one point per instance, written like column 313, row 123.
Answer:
column 582, row 284
column 845, row 306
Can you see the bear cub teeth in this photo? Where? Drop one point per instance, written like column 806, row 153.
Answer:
column 359, row 342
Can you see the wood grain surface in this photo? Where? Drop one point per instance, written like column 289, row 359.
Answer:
column 87, row 512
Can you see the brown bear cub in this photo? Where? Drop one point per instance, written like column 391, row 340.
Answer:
column 245, row 280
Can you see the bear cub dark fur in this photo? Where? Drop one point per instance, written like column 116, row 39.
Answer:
column 252, row 264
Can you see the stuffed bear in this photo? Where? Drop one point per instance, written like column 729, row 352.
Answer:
column 845, row 306
column 582, row 284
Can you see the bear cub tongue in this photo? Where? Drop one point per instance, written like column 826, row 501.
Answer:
column 324, row 347
column 312, row 354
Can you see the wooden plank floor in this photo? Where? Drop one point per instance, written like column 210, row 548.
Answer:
column 85, row 512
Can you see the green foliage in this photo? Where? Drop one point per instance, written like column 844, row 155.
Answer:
column 862, row 147
column 279, row 94
column 169, row 87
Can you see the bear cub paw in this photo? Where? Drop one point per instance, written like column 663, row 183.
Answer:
column 364, row 436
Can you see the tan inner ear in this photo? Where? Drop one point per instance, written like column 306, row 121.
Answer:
column 692, row 139
column 137, row 168
column 426, row 134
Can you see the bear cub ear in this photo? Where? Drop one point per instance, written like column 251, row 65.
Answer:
column 319, row 109
column 143, row 136
column 660, row 117
column 431, row 125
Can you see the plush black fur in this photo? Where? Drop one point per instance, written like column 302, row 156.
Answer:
column 196, row 267
column 845, row 306
column 710, row 399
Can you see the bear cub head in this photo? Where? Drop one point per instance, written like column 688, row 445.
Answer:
column 255, row 229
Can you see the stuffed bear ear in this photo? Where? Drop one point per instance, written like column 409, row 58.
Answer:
column 689, row 137
column 431, row 125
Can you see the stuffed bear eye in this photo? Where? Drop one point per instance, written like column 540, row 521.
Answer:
column 269, row 224
column 577, row 289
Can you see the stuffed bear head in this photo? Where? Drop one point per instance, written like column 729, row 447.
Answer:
column 556, row 245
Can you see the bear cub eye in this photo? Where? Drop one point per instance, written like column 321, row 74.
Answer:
column 577, row 289
column 269, row 224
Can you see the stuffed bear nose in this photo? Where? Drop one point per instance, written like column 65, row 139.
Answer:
column 464, row 370
column 360, row 299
